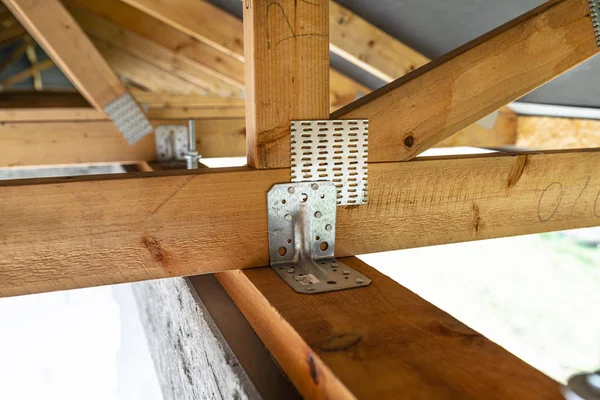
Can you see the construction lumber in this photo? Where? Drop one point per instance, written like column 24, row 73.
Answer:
column 199, row 19
column 215, row 62
column 503, row 133
column 11, row 33
column 56, row 31
column 67, row 233
column 159, row 56
column 33, row 60
column 377, row 342
column 73, row 142
column 14, row 55
column 441, row 98
column 26, row 73
column 287, row 74
column 364, row 45
column 557, row 133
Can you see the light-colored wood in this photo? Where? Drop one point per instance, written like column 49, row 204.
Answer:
column 26, row 73
column 377, row 342
column 58, row 143
column 557, row 133
column 68, row 233
column 451, row 93
column 33, row 60
column 51, row 114
column 153, row 53
column 287, row 74
column 199, row 19
column 56, row 31
column 504, row 133
column 144, row 73
column 216, row 63
column 371, row 49
column 343, row 90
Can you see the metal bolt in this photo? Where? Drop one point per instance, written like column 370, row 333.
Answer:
column 346, row 272
column 291, row 270
column 314, row 186
column 318, row 214
column 288, row 217
column 328, row 227
column 359, row 281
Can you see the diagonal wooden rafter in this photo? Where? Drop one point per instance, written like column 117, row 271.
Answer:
column 377, row 342
column 174, row 63
column 50, row 227
column 51, row 25
column 441, row 98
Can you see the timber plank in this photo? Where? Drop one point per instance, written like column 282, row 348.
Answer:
column 73, row 142
column 287, row 74
column 68, row 233
column 440, row 98
column 557, row 133
column 377, row 342
column 64, row 41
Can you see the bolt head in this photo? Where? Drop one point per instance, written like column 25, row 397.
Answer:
column 318, row 214
column 288, row 217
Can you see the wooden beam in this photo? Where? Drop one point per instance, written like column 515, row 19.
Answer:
column 557, row 133
column 68, row 233
column 56, row 31
column 57, row 143
column 440, row 98
column 12, row 33
column 33, row 60
column 503, row 133
column 377, row 342
column 159, row 56
column 14, row 55
column 364, row 45
column 199, row 19
column 26, row 73
column 287, row 74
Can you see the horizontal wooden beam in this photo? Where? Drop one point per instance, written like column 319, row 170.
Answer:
column 55, row 143
column 377, row 342
column 68, row 233
column 554, row 133
column 415, row 112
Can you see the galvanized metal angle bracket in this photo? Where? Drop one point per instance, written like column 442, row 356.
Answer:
column 302, row 238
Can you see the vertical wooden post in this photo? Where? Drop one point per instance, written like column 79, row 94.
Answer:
column 286, row 49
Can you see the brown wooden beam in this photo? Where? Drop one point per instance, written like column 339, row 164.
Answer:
column 287, row 74
column 377, row 342
column 417, row 111
column 68, row 233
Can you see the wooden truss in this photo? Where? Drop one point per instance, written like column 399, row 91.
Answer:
column 373, row 342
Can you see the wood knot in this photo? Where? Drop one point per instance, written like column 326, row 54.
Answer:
column 340, row 342
column 153, row 247
column 409, row 141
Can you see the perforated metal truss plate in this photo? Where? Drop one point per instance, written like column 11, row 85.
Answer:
column 594, row 13
column 333, row 151
column 302, row 238
column 129, row 118
column 171, row 142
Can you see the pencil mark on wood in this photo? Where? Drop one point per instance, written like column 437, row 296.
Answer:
column 292, row 33
column 311, row 3
column 181, row 186
column 557, row 199
column 596, row 212
column 312, row 369
column 573, row 209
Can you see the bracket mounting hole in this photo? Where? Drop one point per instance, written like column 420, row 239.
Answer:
column 303, row 197
column 289, row 241
column 331, row 282
column 318, row 238
column 282, row 251
column 283, row 201
column 324, row 246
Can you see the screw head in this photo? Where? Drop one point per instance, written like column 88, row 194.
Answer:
column 288, row 217
column 318, row 214
column 314, row 186
column 359, row 281
column 328, row 227
column 291, row 270
column 346, row 272
column 310, row 288
column 291, row 190
column 334, row 264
